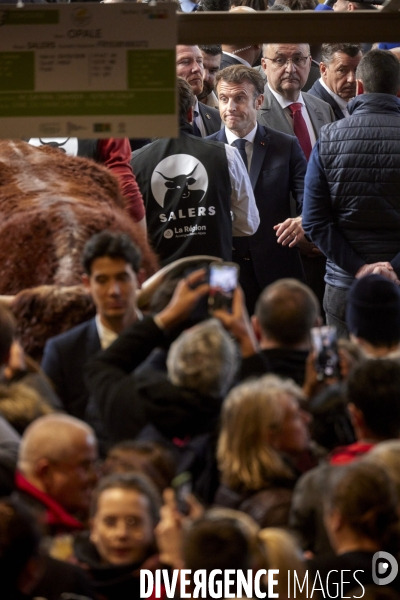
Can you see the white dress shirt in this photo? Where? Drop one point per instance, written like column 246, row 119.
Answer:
column 245, row 217
column 286, row 103
column 231, row 137
column 339, row 101
column 106, row 335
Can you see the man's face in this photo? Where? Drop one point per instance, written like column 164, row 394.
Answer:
column 112, row 284
column 189, row 66
column 340, row 74
column 211, row 67
column 238, row 106
column 287, row 78
column 122, row 529
column 71, row 481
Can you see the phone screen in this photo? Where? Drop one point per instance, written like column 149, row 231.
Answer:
column 223, row 281
column 324, row 340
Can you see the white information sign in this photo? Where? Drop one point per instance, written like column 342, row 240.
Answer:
column 88, row 70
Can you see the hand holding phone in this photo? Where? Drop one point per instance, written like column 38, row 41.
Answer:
column 223, row 280
column 324, row 341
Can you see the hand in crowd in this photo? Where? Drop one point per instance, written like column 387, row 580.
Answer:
column 187, row 293
column 169, row 531
column 16, row 361
column 238, row 324
column 379, row 268
column 290, row 232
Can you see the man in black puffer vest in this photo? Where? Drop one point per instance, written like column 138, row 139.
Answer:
column 351, row 207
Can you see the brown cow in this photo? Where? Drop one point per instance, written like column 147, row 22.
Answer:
column 50, row 205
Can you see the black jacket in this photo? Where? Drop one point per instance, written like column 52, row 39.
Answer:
column 127, row 401
column 320, row 92
column 109, row 581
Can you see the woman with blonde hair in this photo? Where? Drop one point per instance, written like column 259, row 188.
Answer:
column 263, row 430
column 284, row 554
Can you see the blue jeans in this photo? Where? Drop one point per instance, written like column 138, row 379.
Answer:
column 335, row 301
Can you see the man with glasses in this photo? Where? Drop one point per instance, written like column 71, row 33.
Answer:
column 285, row 108
column 288, row 109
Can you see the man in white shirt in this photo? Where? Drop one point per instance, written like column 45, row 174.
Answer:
column 276, row 167
column 337, row 85
column 111, row 263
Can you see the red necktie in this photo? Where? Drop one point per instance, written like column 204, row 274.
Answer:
column 300, row 128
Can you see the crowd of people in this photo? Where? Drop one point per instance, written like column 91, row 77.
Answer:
column 165, row 433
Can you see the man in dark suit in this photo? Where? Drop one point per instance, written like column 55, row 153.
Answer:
column 276, row 167
column 287, row 67
column 288, row 109
column 111, row 264
column 337, row 85
column 189, row 66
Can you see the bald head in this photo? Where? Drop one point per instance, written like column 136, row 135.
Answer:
column 53, row 437
column 57, row 455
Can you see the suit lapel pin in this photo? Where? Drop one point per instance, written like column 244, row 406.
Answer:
column 208, row 116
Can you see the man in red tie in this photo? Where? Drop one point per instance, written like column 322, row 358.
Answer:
column 285, row 107
column 288, row 109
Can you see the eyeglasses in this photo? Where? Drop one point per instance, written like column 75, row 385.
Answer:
column 282, row 61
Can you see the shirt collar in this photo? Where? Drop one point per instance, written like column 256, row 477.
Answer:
column 282, row 101
column 106, row 335
column 231, row 137
column 196, row 107
column 339, row 101
column 239, row 58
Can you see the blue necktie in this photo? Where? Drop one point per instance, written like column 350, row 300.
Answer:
column 241, row 146
column 196, row 130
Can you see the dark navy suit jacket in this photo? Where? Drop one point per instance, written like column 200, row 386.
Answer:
column 64, row 359
column 320, row 92
column 277, row 170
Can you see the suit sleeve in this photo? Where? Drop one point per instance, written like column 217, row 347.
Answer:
column 298, row 168
column 319, row 220
column 109, row 377
column 52, row 365
column 243, row 204
column 115, row 154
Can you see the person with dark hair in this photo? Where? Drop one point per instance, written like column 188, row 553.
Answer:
column 125, row 510
column 212, row 63
column 112, row 267
column 373, row 396
column 361, row 518
column 352, row 198
column 20, row 537
column 299, row 4
column 276, row 165
column 337, row 84
column 189, row 211
column 373, row 316
column 149, row 458
column 285, row 313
